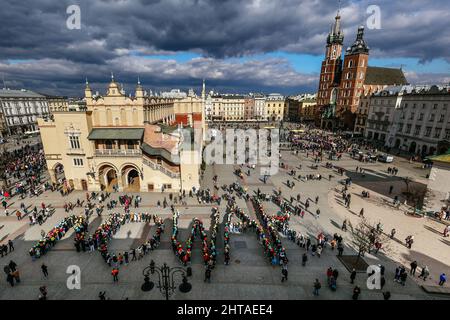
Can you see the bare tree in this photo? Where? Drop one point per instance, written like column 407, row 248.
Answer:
column 364, row 236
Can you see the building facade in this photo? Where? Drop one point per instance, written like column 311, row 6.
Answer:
column 275, row 105
column 422, row 123
column 121, row 142
column 381, row 110
column 57, row 103
column 21, row 108
column 260, row 107
column 293, row 109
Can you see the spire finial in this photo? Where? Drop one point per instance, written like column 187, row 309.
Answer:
column 339, row 7
column 139, row 81
column 112, row 76
column 87, row 82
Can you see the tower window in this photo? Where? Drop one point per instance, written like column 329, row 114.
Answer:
column 350, row 63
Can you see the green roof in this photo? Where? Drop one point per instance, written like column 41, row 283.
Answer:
column 445, row 157
column 159, row 152
column 116, row 134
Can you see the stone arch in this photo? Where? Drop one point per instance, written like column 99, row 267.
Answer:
column 131, row 177
column 108, row 176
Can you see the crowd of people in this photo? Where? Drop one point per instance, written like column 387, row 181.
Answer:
column 100, row 238
column 209, row 252
column 49, row 240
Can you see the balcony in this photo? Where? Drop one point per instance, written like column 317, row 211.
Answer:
column 118, row 153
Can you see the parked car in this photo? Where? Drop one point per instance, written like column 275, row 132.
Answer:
column 385, row 158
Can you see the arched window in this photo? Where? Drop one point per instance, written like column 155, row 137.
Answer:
column 350, row 63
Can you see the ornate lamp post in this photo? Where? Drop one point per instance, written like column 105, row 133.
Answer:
column 166, row 283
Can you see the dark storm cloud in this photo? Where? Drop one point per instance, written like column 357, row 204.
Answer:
column 116, row 33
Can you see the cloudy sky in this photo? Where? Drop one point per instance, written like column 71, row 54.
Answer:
column 236, row 45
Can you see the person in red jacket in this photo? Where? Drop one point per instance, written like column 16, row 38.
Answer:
column 115, row 274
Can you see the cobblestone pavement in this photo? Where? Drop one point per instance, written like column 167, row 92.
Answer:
column 249, row 275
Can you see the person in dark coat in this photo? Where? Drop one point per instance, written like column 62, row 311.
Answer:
column 356, row 292
column 353, row 276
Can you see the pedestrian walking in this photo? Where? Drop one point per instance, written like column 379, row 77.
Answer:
column 353, row 276
column 44, row 269
column 413, row 268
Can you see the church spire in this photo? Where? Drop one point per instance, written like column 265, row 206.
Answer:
column 336, row 35
column 203, row 90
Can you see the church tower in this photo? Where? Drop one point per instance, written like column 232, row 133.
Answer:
column 353, row 76
column 330, row 72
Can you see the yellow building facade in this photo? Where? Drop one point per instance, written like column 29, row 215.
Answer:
column 116, row 145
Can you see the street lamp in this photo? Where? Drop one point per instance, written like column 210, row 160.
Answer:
column 166, row 283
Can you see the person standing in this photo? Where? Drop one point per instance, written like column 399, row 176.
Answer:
column 424, row 273
column 317, row 287
column 115, row 274
column 442, row 279
column 403, row 276
column 413, row 268
column 208, row 275
column 101, row 295
column 304, row 259
column 44, row 269
column 356, row 292
column 284, row 272
column 43, row 291
column 353, row 276
column 11, row 245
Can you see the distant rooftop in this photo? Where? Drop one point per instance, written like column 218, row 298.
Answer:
column 23, row 93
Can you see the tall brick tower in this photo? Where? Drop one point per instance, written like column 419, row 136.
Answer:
column 330, row 72
column 352, row 80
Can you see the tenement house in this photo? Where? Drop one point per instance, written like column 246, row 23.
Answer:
column 21, row 108
column 422, row 123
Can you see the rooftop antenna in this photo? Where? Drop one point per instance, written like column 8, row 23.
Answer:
column 339, row 7
column 4, row 85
